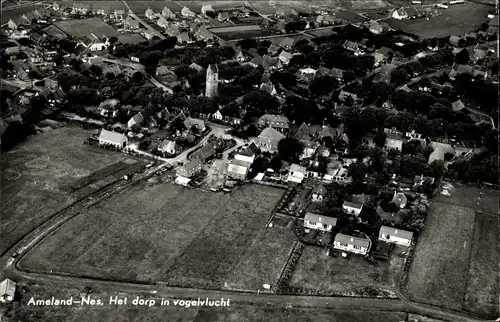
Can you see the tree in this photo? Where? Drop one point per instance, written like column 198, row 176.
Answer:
column 357, row 171
column 289, row 149
column 437, row 169
column 150, row 58
column 285, row 78
column 322, row 85
column 462, row 57
column 399, row 76
column 379, row 139
column 297, row 60
column 275, row 164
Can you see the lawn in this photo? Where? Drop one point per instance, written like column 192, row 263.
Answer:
column 36, row 173
column 439, row 270
column 264, row 260
column 337, row 275
column 81, row 28
column 455, row 21
column 163, row 233
column 482, row 288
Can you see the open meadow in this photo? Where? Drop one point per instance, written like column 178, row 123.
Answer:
column 81, row 28
column 457, row 20
column 341, row 276
column 165, row 232
column 37, row 177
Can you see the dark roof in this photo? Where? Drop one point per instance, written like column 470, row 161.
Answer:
column 249, row 150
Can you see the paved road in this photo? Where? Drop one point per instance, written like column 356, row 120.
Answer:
column 20, row 84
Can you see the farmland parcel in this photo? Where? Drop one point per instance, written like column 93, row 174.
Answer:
column 37, row 175
column 163, row 233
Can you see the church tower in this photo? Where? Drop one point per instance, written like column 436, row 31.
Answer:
column 212, row 81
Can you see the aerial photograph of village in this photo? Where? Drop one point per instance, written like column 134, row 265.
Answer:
column 240, row 161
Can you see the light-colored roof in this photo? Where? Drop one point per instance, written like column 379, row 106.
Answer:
column 440, row 149
column 297, row 168
column 167, row 145
column 193, row 164
column 241, row 163
column 7, row 287
column 279, row 120
column 271, row 133
column 391, row 231
column 320, row 189
column 399, row 199
column 457, row 105
column 200, row 124
column 321, row 219
column 111, row 136
column 352, row 205
column 287, row 42
column 352, row 240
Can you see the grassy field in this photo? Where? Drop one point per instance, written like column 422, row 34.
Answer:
column 162, row 233
column 236, row 312
column 439, row 270
column 337, row 275
column 482, row 288
column 456, row 20
column 482, row 200
column 80, row 28
column 35, row 173
column 264, row 260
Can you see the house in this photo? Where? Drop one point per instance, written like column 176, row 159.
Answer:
column 375, row 27
column 412, row 12
column 230, row 114
column 395, row 236
column 400, row 14
column 344, row 96
column 393, row 141
column 12, row 50
column 273, row 49
column 268, row 87
column 357, row 245
column 93, row 43
column 296, row 173
column 80, row 8
column 271, row 63
column 205, row 153
column 454, row 40
column 257, row 61
column 162, row 70
column 322, row 72
column 167, row 13
column 190, row 122
column 457, row 69
column 286, row 43
column 162, row 22
column 420, row 180
column 11, row 24
column 137, row 119
column 285, row 57
column 190, row 168
column 7, row 290
column 206, row 8
column 307, row 74
column 28, row 18
column 184, row 38
column 318, row 193
column 351, row 46
column 399, row 199
column 197, row 67
column 458, row 106
column 352, row 208
column 247, row 154
column 118, row 140
column 238, row 169
column 168, row 146
column 268, row 139
column 277, row 122
column 384, row 75
column 187, row 13
column 223, row 16
column 130, row 23
column 150, row 14
column 479, row 54
column 203, row 34
column 337, row 73
column 319, row 222
column 439, row 152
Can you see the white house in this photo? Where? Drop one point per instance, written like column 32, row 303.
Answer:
column 357, row 245
column 186, row 12
column 285, row 57
column 168, row 146
column 296, row 173
column 247, row 154
column 319, row 222
column 400, row 14
column 7, row 290
column 353, row 208
column 238, row 169
column 115, row 139
column 150, row 14
column 395, row 236
column 137, row 119
column 206, row 8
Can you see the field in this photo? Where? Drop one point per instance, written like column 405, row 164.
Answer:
column 164, row 233
column 236, row 312
column 239, row 32
column 456, row 20
column 264, row 260
column 340, row 276
column 482, row 288
column 81, row 28
column 438, row 274
column 36, row 172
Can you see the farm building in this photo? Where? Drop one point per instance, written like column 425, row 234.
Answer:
column 268, row 139
column 115, row 139
column 353, row 208
column 319, row 222
column 357, row 245
column 7, row 290
column 395, row 236
column 238, row 169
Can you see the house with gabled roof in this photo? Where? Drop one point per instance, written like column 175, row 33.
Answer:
column 395, row 236
column 458, row 106
column 268, row 139
column 205, row 153
column 273, row 49
column 352, row 208
column 197, row 67
column 286, row 43
column 268, row 87
column 238, row 169
column 352, row 244
column 7, row 290
column 351, row 46
column 278, row 122
column 285, row 57
column 319, row 222
column 167, row 13
column 115, row 139
column 11, row 24
column 297, row 173
column 137, row 119
column 248, row 153
column 168, row 146
column 190, row 168
column 187, row 13
column 199, row 124
column 150, row 14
